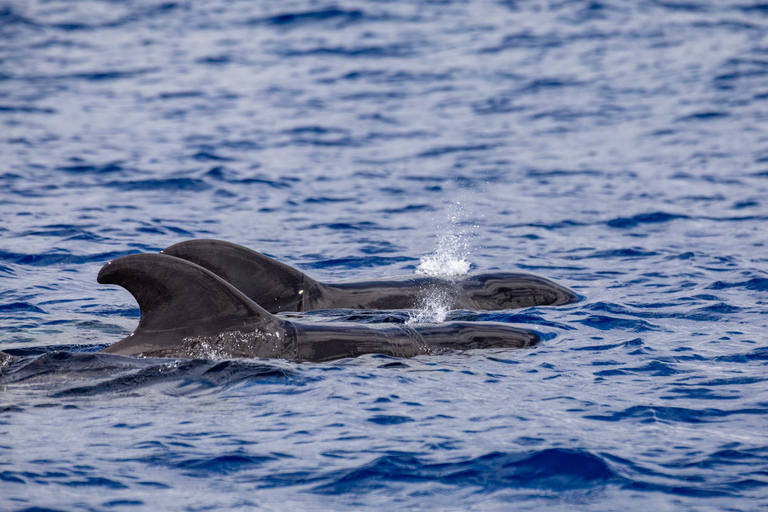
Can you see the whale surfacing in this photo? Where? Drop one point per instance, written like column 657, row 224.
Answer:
column 278, row 287
column 188, row 311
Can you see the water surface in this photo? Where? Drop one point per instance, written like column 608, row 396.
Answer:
column 617, row 147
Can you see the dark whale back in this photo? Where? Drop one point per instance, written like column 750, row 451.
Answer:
column 188, row 311
column 277, row 287
column 179, row 299
column 271, row 284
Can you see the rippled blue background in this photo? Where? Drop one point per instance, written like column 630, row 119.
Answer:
column 619, row 147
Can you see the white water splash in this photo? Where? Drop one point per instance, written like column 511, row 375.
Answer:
column 450, row 256
column 433, row 308
column 450, row 260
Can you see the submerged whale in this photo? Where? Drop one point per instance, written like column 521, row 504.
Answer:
column 189, row 312
column 278, row 287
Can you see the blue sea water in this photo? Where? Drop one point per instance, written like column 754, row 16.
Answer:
column 618, row 147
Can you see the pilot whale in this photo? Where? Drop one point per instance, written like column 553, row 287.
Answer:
column 278, row 287
column 189, row 312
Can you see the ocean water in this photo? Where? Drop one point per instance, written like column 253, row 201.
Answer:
column 618, row 147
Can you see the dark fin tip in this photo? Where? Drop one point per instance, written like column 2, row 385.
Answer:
column 274, row 285
column 175, row 294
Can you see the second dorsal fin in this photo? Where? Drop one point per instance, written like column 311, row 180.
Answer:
column 271, row 284
column 179, row 299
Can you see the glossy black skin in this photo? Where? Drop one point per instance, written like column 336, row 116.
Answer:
column 335, row 341
column 479, row 292
column 277, row 287
column 188, row 312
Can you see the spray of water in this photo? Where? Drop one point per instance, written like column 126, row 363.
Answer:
column 450, row 257
column 433, row 306
column 450, row 260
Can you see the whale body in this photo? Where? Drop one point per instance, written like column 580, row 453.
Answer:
column 278, row 287
column 189, row 312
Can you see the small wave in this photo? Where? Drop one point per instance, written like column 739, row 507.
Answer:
column 25, row 109
column 59, row 257
column 555, row 469
column 208, row 156
column 187, row 378
column 80, row 167
column 756, row 283
column 17, row 307
column 349, row 226
column 171, row 184
column 643, row 218
column 703, row 116
column 223, row 464
column 96, row 374
column 610, row 323
column 296, row 19
column 226, row 175
column 454, row 149
column 673, row 415
column 398, row 50
column 524, row 40
column 383, row 419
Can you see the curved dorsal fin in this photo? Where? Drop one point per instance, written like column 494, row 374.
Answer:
column 179, row 299
column 271, row 284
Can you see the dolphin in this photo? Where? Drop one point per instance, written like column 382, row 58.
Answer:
column 189, row 312
column 278, row 287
